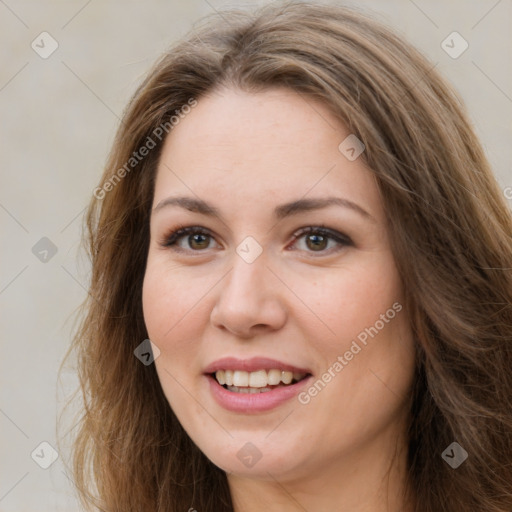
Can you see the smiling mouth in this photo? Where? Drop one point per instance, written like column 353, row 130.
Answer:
column 260, row 381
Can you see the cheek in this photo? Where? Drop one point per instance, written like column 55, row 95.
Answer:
column 157, row 297
column 348, row 299
column 371, row 351
column 170, row 301
column 170, row 308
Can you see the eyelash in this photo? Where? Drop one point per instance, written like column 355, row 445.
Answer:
column 171, row 239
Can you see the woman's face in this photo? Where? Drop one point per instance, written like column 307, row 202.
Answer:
column 286, row 273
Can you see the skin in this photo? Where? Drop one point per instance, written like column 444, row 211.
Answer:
column 247, row 153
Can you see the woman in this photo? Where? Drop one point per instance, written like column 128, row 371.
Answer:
column 298, row 215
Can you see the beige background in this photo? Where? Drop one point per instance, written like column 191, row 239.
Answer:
column 58, row 117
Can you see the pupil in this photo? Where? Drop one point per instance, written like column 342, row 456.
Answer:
column 198, row 239
column 319, row 241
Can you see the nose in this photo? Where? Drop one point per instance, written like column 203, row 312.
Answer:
column 249, row 302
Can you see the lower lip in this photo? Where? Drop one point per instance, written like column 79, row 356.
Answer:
column 254, row 402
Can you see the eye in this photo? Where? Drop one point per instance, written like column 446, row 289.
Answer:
column 321, row 240
column 192, row 238
column 317, row 239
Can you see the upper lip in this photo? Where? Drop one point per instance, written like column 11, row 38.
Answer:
column 251, row 365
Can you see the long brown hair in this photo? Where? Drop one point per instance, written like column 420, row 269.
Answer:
column 449, row 226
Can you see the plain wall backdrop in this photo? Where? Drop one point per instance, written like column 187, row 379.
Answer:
column 59, row 112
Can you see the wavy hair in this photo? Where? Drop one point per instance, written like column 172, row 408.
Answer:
column 449, row 226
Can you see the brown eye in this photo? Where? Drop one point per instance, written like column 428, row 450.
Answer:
column 188, row 239
column 316, row 242
column 321, row 240
column 199, row 241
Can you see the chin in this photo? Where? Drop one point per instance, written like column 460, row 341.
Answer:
column 258, row 458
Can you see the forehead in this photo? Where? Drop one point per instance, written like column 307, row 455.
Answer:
column 272, row 146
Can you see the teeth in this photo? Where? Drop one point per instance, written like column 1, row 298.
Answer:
column 249, row 391
column 221, row 377
column 257, row 379
column 245, row 382
column 274, row 377
column 240, row 379
column 287, row 377
column 297, row 376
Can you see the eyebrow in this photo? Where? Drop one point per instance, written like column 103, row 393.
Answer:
column 280, row 212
